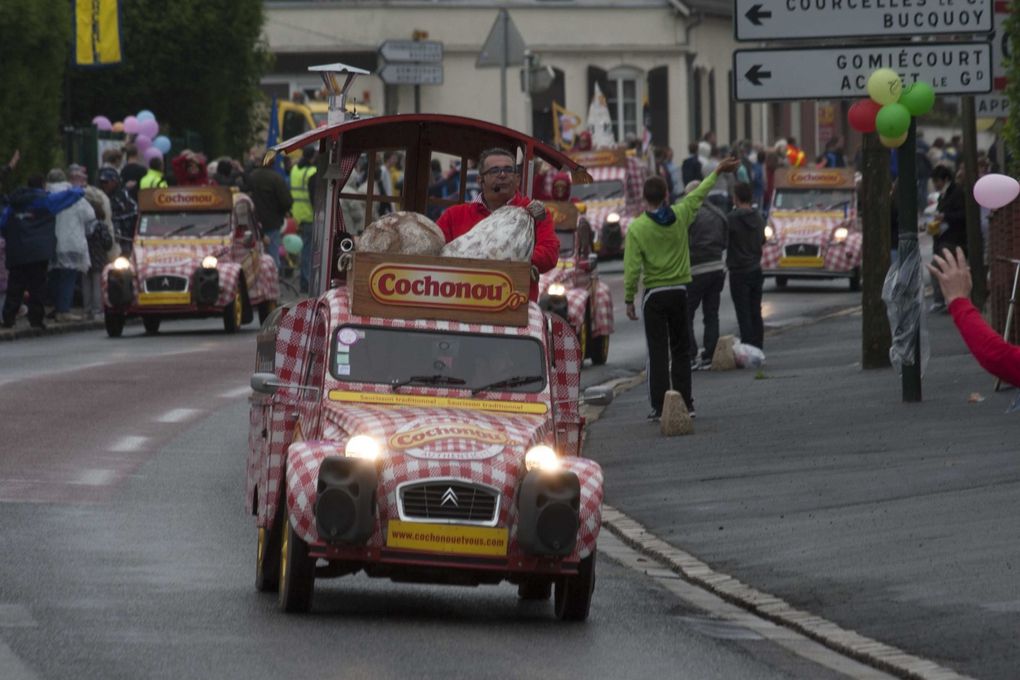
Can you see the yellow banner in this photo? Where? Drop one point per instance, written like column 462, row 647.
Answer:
column 148, row 299
column 96, row 32
column 428, row 401
column 801, row 262
column 447, row 538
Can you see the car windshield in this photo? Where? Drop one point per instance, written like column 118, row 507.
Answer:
column 438, row 359
column 813, row 199
column 566, row 244
column 598, row 190
column 184, row 224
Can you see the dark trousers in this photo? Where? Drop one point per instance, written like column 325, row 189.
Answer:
column 745, row 289
column 704, row 291
column 21, row 278
column 669, row 365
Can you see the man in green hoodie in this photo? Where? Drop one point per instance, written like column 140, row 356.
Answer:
column 657, row 252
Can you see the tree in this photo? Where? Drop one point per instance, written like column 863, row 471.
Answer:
column 1012, row 129
column 195, row 63
column 34, row 39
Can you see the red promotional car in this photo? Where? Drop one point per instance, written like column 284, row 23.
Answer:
column 197, row 253
column 613, row 198
column 417, row 418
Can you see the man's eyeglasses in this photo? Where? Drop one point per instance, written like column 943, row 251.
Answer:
column 501, row 170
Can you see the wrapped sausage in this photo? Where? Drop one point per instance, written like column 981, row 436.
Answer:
column 506, row 234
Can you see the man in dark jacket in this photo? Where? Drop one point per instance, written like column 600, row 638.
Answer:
column 690, row 169
column 708, row 236
column 743, row 259
column 28, row 225
column 271, row 194
column 951, row 211
column 123, row 210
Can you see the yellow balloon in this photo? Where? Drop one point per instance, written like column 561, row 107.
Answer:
column 885, row 86
column 893, row 142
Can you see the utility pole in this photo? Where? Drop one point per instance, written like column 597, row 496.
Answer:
column 504, row 58
column 876, row 217
column 909, row 256
column 975, row 240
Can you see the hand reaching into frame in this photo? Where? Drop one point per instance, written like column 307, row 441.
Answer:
column 952, row 273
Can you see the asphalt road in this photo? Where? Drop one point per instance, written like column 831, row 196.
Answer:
column 127, row 553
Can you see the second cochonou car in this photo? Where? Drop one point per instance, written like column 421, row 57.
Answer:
column 197, row 252
column 613, row 198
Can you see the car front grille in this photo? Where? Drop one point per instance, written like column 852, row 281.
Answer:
column 448, row 501
column 166, row 284
column 801, row 250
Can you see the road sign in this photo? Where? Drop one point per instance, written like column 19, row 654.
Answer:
column 996, row 104
column 504, row 46
column 839, row 72
column 429, row 51
column 817, row 19
column 412, row 74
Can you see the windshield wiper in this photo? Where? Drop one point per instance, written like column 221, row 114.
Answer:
column 508, row 382
column 213, row 228
column 178, row 230
column 426, row 380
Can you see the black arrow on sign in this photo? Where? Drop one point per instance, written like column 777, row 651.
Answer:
column 755, row 74
column 755, row 15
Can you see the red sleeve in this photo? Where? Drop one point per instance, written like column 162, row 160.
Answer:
column 995, row 355
column 547, row 246
column 445, row 222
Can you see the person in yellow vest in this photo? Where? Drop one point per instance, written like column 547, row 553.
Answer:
column 153, row 179
column 302, row 191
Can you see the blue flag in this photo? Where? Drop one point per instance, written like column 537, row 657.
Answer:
column 273, row 137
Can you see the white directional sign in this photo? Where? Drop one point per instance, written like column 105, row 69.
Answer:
column 996, row 104
column 816, row 19
column 412, row 74
column 835, row 72
column 412, row 50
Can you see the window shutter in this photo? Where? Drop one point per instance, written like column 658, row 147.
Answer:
column 658, row 104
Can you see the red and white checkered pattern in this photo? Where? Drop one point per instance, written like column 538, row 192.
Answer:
column 604, row 321
column 577, row 306
column 267, row 284
column 565, row 381
column 589, row 474
column 303, row 461
column 291, row 340
column 814, row 229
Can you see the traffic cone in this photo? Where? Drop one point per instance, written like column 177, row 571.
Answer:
column 675, row 419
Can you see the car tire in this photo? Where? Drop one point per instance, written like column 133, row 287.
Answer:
column 232, row 315
column 572, row 600
column 599, row 350
column 151, row 324
column 534, row 590
column 781, row 282
column 582, row 337
column 114, row 324
column 268, row 551
column 855, row 280
column 247, row 313
column 297, row 570
column 265, row 309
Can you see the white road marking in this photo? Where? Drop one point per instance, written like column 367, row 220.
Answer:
column 129, row 443
column 177, row 415
column 97, row 477
column 234, row 394
column 11, row 667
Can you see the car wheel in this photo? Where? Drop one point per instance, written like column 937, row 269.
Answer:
column 247, row 314
column 151, row 324
column 265, row 309
column 599, row 349
column 297, row 570
column 114, row 324
column 232, row 315
column 855, row 279
column 267, row 557
column 534, row 590
column 781, row 282
column 573, row 593
column 582, row 338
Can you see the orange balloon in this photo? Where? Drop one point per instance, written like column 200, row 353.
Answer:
column 893, row 142
column 118, row 126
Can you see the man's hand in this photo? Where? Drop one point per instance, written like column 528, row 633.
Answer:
column 953, row 274
column 631, row 312
column 727, row 165
column 537, row 210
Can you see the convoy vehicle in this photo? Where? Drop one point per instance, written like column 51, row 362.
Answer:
column 813, row 230
column 416, row 418
column 573, row 289
column 613, row 198
column 197, row 252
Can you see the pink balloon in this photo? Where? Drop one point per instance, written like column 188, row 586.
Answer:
column 995, row 191
column 143, row 142
column 148, row 127
column 150, row 153
column 131, row 125
column 102, row 123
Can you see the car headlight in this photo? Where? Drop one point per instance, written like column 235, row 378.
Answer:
column 556, row 290
column 122, row 264
column 542, row 458
column 613, row 218
column 209, row 262
column 363, row 446
column 770, row 233
column 840, row 234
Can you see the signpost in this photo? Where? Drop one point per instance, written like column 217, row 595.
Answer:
column 815, row 19
column 424, row 51
column 412, row 62
column 412, row 74
column 503, row 47
column 841, row 72
column 996, row 104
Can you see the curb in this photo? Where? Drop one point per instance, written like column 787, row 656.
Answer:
column 52, row 328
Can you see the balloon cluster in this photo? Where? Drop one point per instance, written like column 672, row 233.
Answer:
column 890, row 107
column 145, row 129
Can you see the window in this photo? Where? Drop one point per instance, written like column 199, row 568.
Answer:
column 624, row 101
column 373, row 189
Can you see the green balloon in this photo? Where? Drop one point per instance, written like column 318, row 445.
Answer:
column 292, row 244
column 892, row 120
column 918, row 98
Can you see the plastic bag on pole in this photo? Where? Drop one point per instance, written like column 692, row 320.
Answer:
column 903, row 295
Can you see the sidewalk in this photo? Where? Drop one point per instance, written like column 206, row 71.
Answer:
column 817, row 484
column 23, row 330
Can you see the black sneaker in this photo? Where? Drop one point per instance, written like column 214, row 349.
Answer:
column 653, row 416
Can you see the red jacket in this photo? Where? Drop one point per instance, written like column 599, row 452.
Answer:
column 995, row 355
column 458, row 220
